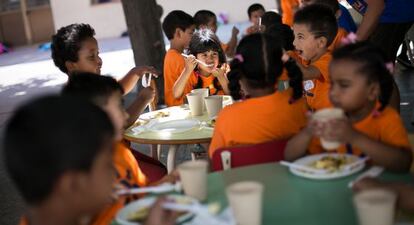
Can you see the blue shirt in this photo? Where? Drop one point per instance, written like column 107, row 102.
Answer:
column 346, row 21
column 396, row 11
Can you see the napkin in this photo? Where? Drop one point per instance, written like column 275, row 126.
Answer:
column 143, row 128
column 224, row 218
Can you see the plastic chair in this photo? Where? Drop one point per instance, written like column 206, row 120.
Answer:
column 272, row 151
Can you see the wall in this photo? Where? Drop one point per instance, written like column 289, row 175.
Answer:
column 12, row 28
column 99, row 16
column 41, row 23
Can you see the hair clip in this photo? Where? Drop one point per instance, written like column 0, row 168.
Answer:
column 351, row 38
column 205, row 35
column 239, row 57
column 390, row 67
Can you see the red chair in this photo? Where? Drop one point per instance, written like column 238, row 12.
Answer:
column 272, row 151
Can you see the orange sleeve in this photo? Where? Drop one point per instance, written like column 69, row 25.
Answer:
column 218, row 140
column 173, row 66
column 338, row 39
column 322, row 65
column 393, row 131
column 288, row 10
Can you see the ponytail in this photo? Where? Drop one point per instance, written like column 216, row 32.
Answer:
column 295, row 79
column 386, row 83
column 234, row 77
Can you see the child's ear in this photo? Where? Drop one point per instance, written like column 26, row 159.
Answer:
column 374, row 91
column 70, row 66
column 322, row 42
column 178, row 32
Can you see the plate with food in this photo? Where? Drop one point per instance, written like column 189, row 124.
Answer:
column 136, row 212
column 335, row 165
column 174, row 126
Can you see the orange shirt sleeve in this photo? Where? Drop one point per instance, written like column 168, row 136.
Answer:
column 320, row 98
column 288, row 10
column 338, row 39
column 173, row 66
column 393, row 131
column 217, row 140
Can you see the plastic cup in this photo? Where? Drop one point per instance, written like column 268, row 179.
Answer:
column 245, row 199
column 204, row 92
column 375, row 207
column 195, row 102
column 193, row 175
column 325, row 115
column 214, row 104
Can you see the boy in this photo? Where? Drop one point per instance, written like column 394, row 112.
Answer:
column 74, row 49
column 315, row 28
column 179, row 27
column 255, row 12
column 58, row 152
column 106, row 93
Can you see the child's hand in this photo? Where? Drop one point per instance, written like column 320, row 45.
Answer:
column 190, row 63
column 339, row 130
column 234, row 31
column 220, row 72
column 314, row 128
column 141, row 70
column 146, row 95
column 158, row 215
column 368, row 183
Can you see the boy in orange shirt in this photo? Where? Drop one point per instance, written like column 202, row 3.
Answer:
column 255, row 12
column 178, row 26
column 315, row 28
column 362, row 88
column 266, row 114
column 107, row 93
column 58, row 151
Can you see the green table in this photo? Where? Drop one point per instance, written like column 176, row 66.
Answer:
column 291, row 200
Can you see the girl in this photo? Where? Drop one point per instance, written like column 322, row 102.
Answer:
column 361, row 85
column 204, row 47
column 266, row 114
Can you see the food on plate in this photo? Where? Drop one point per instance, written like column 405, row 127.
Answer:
column 160, row 114
column 211, row 123
column 330, row 163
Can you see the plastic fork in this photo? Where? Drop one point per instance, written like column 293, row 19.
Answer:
column 375, row 171
column 304, row 168
column 199, row 61
column 167, row 187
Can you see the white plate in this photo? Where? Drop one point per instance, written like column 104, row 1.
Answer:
column 306, row 161
column 174, row 126
column 123, row 214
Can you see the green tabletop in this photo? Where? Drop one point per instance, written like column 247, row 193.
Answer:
column 291, row 200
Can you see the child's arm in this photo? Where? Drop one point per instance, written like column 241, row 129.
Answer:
column 222, row 78
column 371, row 18
column 309, row 72
column 233, row 42
column 129, row 81
column 181, row 82
column 299, row 144
column 145, row 96
column 392, row 158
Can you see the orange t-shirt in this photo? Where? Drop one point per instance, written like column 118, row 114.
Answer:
column 288, row 10
column 23, row 221
column 338, row 39
column 128, row 174
column 317, row 90
column 258, row 120
column 173, row 67
column 387, row 127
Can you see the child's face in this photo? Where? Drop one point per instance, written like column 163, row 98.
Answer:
column 212, row 24
column 210, row 58
column 254, row 17
column 186, row 35
column 307, row 45
column 88, row 58
column 350, row 90
column 117, row 113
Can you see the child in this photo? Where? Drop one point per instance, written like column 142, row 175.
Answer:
column 315, row 28
column 266, row 114
column 74, row 49
column 178, row 26
column 289, row 8
column 361, row 86
column 58, row 152
column 205, row 19
column 255, row 12
column 205, row 47
column 271, row 18
column 105, row 92
column 334, row 6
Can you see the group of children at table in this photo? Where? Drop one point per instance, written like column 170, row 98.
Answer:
column 78, row 134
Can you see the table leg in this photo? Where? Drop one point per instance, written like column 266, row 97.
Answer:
column 171, row 157
column 155, row 151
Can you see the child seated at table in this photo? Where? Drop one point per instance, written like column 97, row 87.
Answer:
column 315, row 28
column 105, row 92
column 361, row 85
column 179, row 27
column 206, row 19
column 58, row 151
column 255, row 12
column 74, row 49
column 204, row 47
column 266, row 114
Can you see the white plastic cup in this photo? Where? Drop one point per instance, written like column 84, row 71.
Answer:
column 325, row 115
column 193, row 175
column 245, row 199
column 375, row 207
column 226, row 160
column 214, row 104
column 204, row 92
column 195, row 102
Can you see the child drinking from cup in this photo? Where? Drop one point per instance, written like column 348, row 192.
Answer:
column 361, row 86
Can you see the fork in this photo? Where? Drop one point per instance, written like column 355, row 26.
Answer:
column 304, row 168
column 167, row 187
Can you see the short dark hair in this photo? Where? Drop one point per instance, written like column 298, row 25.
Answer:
column 93, row 87
column 320, row 20
column 284, row 33
column 332, row 4
column 371, row 63
column 271, row 18
column 50, row 136
column 203, row 17
column 254, row 7
column 67, row 41
column 176, row 19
